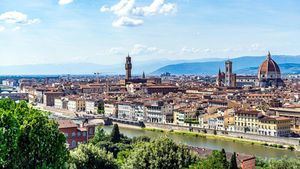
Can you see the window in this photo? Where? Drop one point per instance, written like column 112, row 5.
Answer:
column 73, row 143
column 91, row 131
column 84, row 134
column 78, row 134
column 73, row 134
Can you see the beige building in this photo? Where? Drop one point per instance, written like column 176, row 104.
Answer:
column 179, row 117
column 274, row 126
column 246, row 121
column 111, row 109
column 76, row 104
column 254, row 122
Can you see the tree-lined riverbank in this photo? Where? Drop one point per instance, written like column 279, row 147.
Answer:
column 255, row 149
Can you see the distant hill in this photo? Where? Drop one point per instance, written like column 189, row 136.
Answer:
column 88, row 68
column 81, row 68
column 287, row 68
column 241, row 65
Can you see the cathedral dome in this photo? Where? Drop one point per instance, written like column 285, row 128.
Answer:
column 269, row 69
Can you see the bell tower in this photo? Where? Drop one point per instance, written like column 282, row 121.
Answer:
column 128, row 67
column 228, row 73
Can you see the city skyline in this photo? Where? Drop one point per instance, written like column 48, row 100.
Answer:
column 103, row 32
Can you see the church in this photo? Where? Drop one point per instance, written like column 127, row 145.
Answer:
column 226, row 78
column 269, row 73
column 268, row 76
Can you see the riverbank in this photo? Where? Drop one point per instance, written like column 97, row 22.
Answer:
column 225, row 138
column 212, row 144
column 272, row 145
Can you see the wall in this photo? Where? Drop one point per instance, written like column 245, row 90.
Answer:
column 267, row 139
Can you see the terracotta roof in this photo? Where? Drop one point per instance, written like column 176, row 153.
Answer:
column 66, row 124
column 248, row 112
column 269, row 65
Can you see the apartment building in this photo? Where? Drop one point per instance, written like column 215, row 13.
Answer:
column 247, row 121
column 159, row 112
column 76, row 104
column 111, row 109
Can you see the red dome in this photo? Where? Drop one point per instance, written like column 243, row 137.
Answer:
column 269, row 68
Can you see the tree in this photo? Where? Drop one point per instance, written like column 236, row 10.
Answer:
column 212, row 161
column 29, row 139
column 233, row 163
column 215, row 132
column 160, row 153
column 100, row 135
column 89, row 156
column 115, row 134
column 284, row 163
column 101, row 107
column 199, row 111
column 224, row 158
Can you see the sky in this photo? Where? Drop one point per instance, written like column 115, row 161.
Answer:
column 105, row 31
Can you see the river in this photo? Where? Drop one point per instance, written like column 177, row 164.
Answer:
column 214, row 144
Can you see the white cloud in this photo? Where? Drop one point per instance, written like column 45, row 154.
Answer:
column 188, row 50
column 14, row 17
column 139, row 49
column 157, row 7
column 130, row 15
column 126, row 21
column 123, row 8
column 64, row 2
column 117, row 51
column 257, row 47
column 2, row 28
column 16, row 28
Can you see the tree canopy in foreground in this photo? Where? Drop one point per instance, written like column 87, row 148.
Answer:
column 28, row 138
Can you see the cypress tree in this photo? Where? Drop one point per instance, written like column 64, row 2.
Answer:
column 115, row 134
column 233, row 163
column 224, row 158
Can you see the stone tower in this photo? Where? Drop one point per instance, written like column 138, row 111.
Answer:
column 128, row 67
column 228, row 73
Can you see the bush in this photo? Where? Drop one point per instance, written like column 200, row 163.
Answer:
column 89, row 156
column 292, row 148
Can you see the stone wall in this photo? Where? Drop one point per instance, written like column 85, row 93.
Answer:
column 268, row 139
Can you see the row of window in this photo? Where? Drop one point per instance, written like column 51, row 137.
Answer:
column 79, row 133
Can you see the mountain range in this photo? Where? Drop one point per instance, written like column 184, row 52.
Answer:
column 241, row 65
column 247, row 65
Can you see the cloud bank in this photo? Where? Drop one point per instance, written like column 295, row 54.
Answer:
column 128, row 14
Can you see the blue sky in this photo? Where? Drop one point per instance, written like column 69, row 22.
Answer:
column 104, row 31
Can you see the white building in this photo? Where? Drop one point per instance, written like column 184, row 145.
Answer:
column 125, row 111
column 58, row 103
column 110, row 110
column 91, row 106
column 158, row 112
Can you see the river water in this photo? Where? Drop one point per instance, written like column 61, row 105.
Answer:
column 214, row 144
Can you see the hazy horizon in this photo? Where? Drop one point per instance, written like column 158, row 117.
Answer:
column 104, row 32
